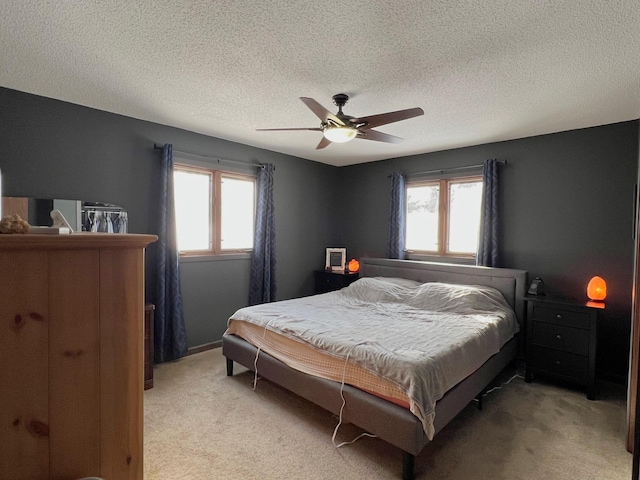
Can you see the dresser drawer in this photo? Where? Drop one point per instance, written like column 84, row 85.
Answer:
column 559, row 337
column 559, row 315
column 560, row 363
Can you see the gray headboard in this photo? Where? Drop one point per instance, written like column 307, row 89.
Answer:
column 511, row 283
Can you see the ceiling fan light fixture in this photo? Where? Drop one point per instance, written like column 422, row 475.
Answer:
column 341, row 128
column 339, row 134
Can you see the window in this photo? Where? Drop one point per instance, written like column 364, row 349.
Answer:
column 215, row 211
column 443, row 216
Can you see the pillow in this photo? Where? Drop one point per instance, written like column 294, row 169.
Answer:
column 379, row 289
column 402, row 282
column 462, row 299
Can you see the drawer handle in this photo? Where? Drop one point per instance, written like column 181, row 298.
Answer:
column 559, row 337
column 559, row 316
column 557, row 362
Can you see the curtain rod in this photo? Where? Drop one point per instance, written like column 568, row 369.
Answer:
column 452, row 169
column 246, row 164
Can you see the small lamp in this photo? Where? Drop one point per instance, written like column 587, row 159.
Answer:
column 354, row 265
column 597, row 289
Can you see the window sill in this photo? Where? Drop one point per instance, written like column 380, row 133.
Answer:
column 215, row 258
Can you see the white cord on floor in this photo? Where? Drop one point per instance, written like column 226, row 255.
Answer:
column 344, row 402
column 255, row 361
column 517, row 375
column 255, row 370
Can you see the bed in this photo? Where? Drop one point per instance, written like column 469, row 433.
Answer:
column 386, row 415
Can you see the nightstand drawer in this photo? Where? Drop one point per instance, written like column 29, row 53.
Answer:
column 330, row 281
column 558, row 315
column 573, row 340
column 560, row 363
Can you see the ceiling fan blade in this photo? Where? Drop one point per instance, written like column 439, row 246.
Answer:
column 323, row 143
column 287, row 129
column 321, row 112
column 378, row 136
column 373, row 121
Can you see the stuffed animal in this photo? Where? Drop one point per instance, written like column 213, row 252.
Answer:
column 14, row 224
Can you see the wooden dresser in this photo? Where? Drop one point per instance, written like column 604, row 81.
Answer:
column 71, row 356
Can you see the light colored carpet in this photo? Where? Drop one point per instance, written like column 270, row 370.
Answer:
column 201, row 424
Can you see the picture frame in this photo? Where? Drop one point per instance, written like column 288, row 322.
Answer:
column 336, row 259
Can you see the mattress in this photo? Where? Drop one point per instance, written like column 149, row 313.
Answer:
column 302, row 357
column 415, row 341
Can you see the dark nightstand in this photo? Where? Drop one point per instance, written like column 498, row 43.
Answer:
column 561, row 339
column 329, row 281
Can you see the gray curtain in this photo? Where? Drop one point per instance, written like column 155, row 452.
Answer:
column 488, row 248
column 170, row 337
column 397, row 217
column 262, row 282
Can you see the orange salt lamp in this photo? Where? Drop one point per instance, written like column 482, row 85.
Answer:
column 354, row 265
column 597, row 289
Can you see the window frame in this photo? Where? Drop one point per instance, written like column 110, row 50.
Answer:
column 443, row 214
column 215, row 201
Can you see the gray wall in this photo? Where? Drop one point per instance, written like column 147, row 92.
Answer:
column 567, row 205
column 567, row 200
column 54, row 149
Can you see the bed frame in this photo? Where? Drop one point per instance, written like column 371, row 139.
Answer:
column 390, row 422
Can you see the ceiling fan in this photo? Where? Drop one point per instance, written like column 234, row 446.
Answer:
column 341, row 128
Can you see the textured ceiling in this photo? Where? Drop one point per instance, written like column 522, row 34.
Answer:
column 482, row 71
